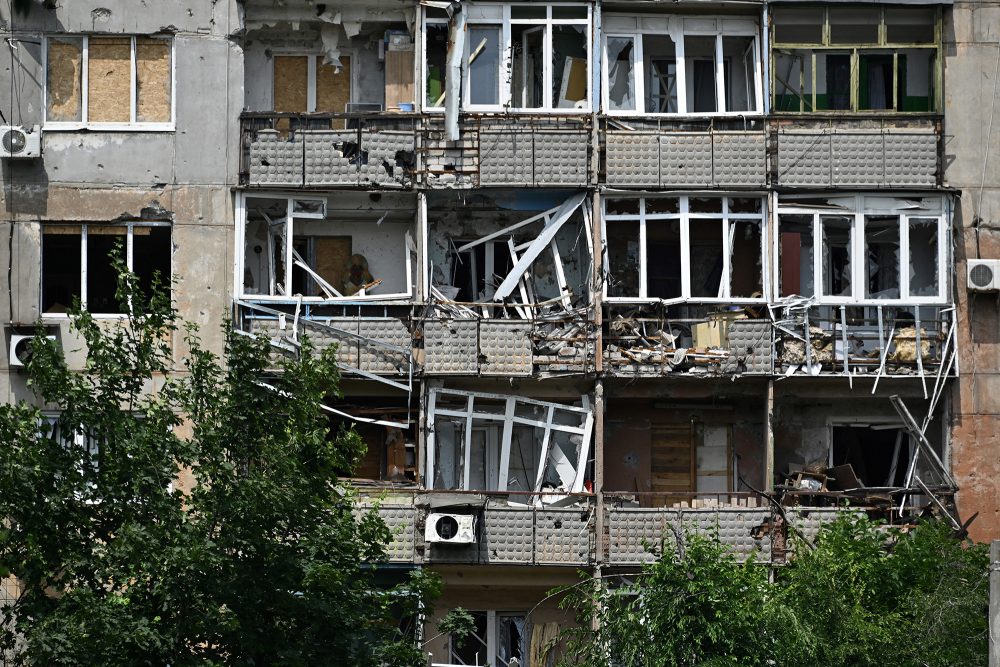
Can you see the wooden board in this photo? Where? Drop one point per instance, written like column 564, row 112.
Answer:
column 109, row 80
column 333, row 90
column 332, row 256
column 398, row 79
column 291, row 83
column 672, row 463
column 65, row 64
column 152, row 68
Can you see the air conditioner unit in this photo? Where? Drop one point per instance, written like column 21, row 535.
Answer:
column 18, row 142
column 20, row 350
column 984, row 275
column 450, row 529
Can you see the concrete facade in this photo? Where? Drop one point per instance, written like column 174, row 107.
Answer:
column 578, row 316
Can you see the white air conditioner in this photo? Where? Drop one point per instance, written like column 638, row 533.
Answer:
column 984, row 275
column 20, row 350
column 18, row 142
column 450, row 529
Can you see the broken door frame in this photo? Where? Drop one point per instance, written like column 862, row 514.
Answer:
column 509, row 419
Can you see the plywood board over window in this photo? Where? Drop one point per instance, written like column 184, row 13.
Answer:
column 65, row 69
column 291, row 83
column 152, row 70
column 333, row 88
column 109, row 79
column 398, row 79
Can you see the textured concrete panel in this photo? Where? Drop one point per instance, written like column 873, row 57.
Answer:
column 803, row 158
column 325, row 161
column 508, row 536
column 734, row 528
column 632, row 159
column 809, row 521
column 401, row 521
column 739, row 159
column 911, row 159
column 635, row 534
column 450, row 347
column 686, row 159
column 276, row 160
column 380, row 360
column 505, row 157
column 505, row 348
column 857, row 158
column 562, row 537
column 387, row 151
column 750, row 348
column 560, row 158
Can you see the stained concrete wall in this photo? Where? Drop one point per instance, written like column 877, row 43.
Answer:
column 184, row 175
column 972, row 165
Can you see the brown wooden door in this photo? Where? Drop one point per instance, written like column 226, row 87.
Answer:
column 673, row 462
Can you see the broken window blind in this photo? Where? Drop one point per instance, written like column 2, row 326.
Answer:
column 63, row 82
column 109, row 80
column 152, row 68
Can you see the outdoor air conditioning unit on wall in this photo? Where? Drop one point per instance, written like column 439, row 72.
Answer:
column 20, row 350
column 984, row 275
column 17, row 142
column 450, row 529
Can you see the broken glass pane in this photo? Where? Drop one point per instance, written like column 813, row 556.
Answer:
column 621, row 206
column 570, row 74
column 471, row 650
column 510, row 639
column 436, row 37
column 746, row 274
column 881, row 257
column 484, row 65
column 699, row 55
column 923, row 264
column 793, row 80
column 663, row 258
column 795, row 254
column 738, row 53
column 837, row 231
column 706, row 258
column 623, row 258
column 528, row 58
column 660, row 68
column 621, row 82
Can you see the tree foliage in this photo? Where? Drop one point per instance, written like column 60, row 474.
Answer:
column 864, row 596
column 265, row 559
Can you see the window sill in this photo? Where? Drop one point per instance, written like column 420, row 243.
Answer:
column 108, row 127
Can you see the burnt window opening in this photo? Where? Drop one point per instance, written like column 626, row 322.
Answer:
column 76, row 264
column 478, row 272
column 878, row 454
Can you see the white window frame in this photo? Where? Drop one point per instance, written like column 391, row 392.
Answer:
column 677, row 28
column 83, row 262
column 497, row 15
column 685, row 217
column 313, row 61
column 289, row 260
column 83, row 123
column 859, row 207
column 493, row 617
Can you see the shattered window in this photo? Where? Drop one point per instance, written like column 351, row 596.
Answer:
column 570, row 76
column 644, row 66
column 436, row 63
column 706, row 248
column 105, row 80
column 855, row 59
column 484, row 66
column 76, row 263
column 508, row 640
column 888, row 251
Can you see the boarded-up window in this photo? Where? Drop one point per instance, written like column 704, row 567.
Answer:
column 291, row 83
column 333, row 89
column 63, row 84
column 152, row 68
column 109, row 80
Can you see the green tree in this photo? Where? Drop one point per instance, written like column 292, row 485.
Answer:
column 864, row 595
column 266, row 560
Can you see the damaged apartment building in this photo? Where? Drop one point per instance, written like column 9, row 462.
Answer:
column 593, row 269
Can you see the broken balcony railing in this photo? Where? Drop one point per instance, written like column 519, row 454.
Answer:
column 872, row 341
column 327, row 149
column 695, row 340
column 381, row 351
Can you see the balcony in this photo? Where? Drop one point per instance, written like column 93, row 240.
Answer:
column 507, row 150
column 877, row 152
column 322, row 150
column 691, row 153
